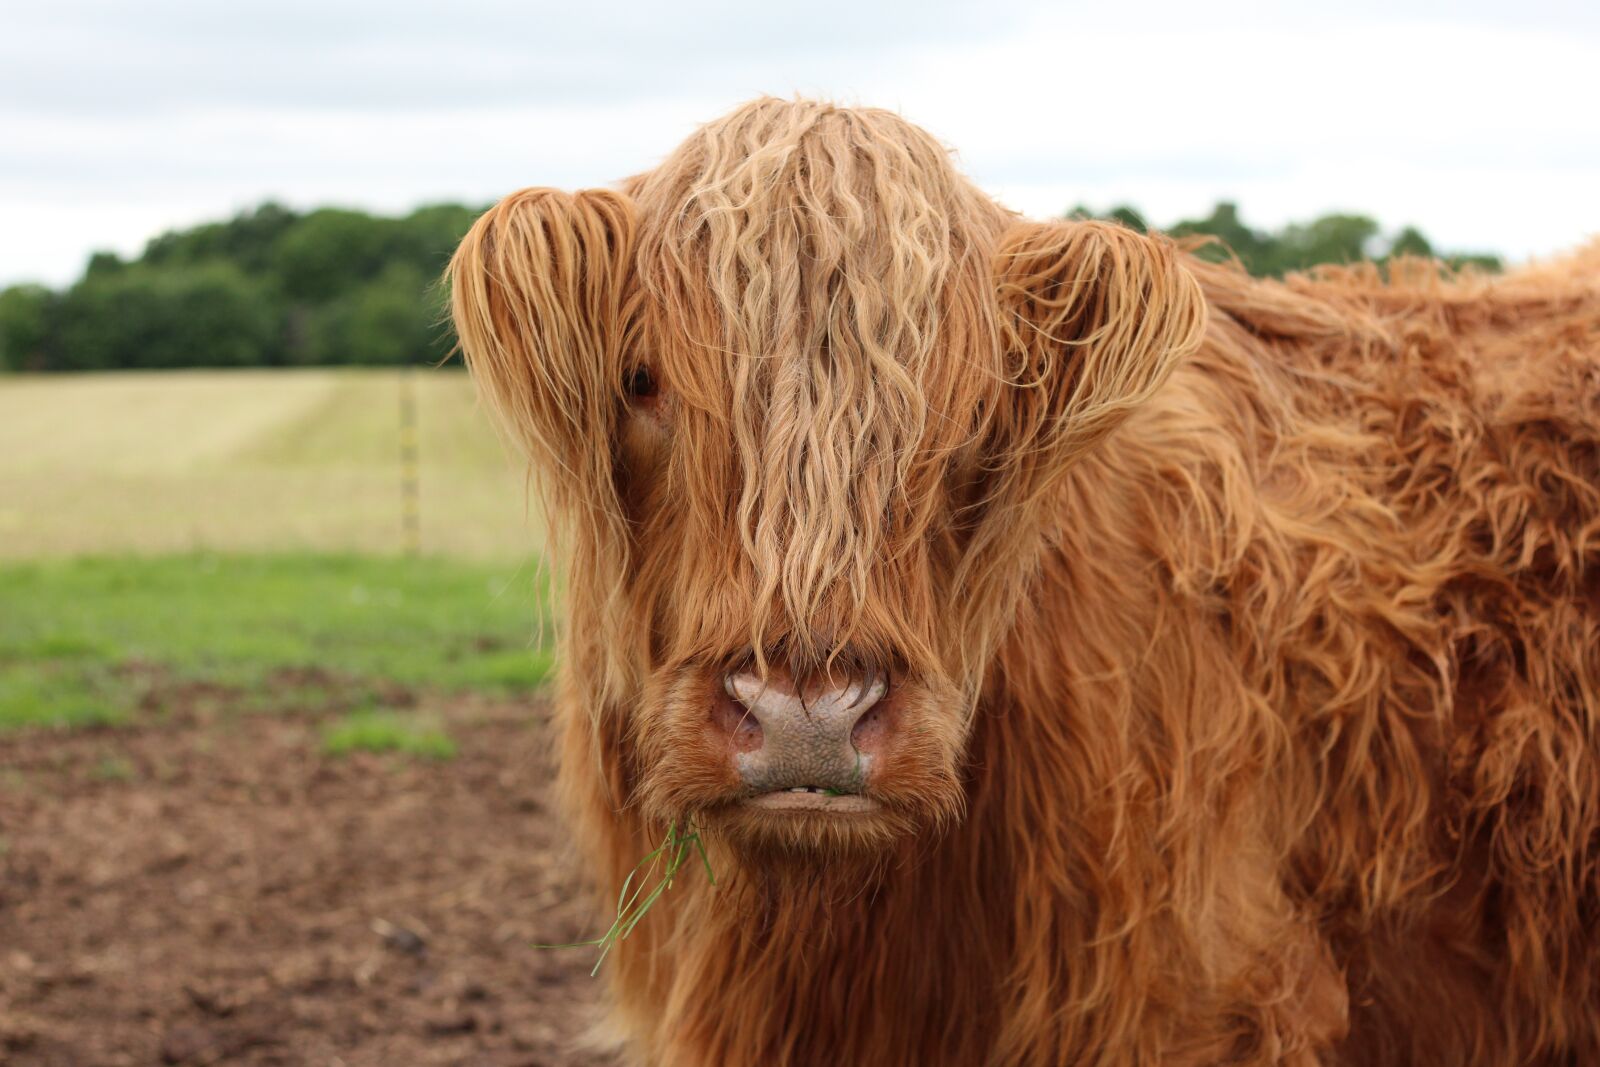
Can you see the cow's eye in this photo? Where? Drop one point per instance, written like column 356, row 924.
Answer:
column 641, row 384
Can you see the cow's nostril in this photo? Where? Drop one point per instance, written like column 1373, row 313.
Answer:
column 735, row 722
column 872, row 729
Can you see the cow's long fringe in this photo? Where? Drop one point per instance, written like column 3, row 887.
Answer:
column 1270, row 611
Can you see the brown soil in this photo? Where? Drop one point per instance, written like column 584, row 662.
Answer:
column 208, row 888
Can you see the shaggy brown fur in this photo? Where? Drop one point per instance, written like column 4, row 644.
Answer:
column 1245, row 634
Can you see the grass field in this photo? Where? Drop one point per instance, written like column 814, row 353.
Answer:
column 261, row 460
column 87, row 641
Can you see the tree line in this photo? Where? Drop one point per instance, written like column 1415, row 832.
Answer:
column 1297, row 246
column 268, row 287
column 276, row 287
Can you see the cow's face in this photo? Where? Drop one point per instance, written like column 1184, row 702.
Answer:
column 801, row 398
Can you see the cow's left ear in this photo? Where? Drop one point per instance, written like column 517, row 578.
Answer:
column 1093, row 318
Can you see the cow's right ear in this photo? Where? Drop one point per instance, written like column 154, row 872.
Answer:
column 538, row 292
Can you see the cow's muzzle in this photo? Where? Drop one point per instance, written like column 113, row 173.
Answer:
column 805, row 747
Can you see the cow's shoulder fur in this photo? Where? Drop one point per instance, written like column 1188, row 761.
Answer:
column 1328, row 609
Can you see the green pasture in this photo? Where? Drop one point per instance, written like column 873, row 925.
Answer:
column 84, row 641
column 239, row 534
column 376, row 731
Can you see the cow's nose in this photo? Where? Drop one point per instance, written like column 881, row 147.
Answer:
column 815, row 737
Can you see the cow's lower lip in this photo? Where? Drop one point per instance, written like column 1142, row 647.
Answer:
column 798, row 800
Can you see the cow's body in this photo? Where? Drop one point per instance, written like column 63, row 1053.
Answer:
column 1288, row 752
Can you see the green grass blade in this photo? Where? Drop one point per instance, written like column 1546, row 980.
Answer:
column 638, row 894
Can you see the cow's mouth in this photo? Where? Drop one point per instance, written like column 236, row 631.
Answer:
column 812, row 798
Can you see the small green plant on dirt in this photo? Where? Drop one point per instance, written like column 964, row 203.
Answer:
column 112, row 769
column 377, row 731
column 639, row 894
column 37, row 692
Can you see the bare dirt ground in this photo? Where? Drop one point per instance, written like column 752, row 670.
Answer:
column 208, row 888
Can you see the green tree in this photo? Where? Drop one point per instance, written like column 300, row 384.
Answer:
column 208, row 315
column 1332, row 238
column 428, row 236
column 25, row 314
column 103, row 263
column 269, row 285
column 330, row 251
column 395, row 317
column 1237, row 239
column 248, row 240
column 1480, row 261
column 1122, row 213
column 1410, row 242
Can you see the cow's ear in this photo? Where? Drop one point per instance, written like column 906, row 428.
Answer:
column 539, row 291
column 1093, row 318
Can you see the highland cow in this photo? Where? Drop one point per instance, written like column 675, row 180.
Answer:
column 1069, row 650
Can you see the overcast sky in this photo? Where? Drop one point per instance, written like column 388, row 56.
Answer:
column 1477, row 121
